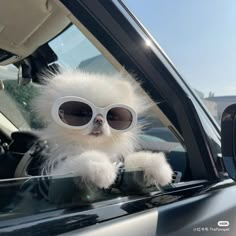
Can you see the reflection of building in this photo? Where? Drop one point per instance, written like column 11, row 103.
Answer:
column 220, row 103
column 212, row 107
column 216, row 105
column 97, row 64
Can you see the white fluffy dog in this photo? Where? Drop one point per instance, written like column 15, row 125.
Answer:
column 88, row 144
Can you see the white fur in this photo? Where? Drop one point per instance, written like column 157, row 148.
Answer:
column 93, row 157
column 156, row 169
column 94, row 166
column 100, row 90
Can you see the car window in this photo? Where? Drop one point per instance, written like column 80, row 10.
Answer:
column 75, row 51
column 33, row 191
column 199, row 38
column 15, row 99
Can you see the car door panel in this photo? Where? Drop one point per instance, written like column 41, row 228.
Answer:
column 199, row 214
column 138, row 224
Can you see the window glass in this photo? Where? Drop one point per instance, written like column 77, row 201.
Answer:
column 15, row 100
column 37, row 191
column 199, row 37
column 75, row 51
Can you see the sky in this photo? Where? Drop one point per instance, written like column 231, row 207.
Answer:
column 199, row 36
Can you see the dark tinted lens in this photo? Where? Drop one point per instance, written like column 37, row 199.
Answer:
column 119, row 118
column 75, row 113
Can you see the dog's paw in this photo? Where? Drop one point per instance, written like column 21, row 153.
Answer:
column 157, row 171
column 101, row 173
column 92, row 166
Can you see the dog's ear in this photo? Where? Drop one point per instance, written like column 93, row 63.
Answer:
column 125, row 87
column 49, row 92
column 42, row 105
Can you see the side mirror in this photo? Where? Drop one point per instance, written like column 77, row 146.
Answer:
column 228, row 140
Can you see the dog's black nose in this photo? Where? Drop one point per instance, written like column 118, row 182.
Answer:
column 99, row 120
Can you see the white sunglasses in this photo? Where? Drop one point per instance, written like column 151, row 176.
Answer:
column 78, row 113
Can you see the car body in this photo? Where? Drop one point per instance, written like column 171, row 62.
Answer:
column 201, row 199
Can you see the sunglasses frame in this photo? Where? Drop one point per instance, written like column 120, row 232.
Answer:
column 95, row 111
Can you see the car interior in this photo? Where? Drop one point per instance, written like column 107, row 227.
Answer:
column 25, row 45
column 33, row 24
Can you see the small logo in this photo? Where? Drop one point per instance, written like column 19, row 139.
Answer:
column 223, row 223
